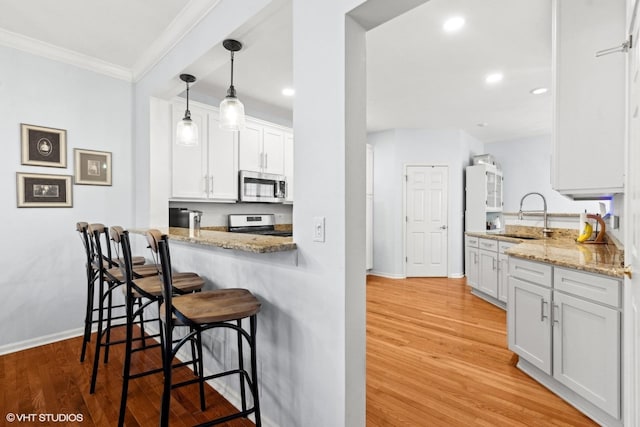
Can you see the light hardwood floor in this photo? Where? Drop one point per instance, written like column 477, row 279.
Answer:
column 437, row 356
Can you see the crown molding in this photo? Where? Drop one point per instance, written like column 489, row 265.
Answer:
column 181, row 25
column 56, row 53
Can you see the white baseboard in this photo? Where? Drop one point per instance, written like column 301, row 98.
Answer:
column 36, row 342
column 456, row 276
column 386, row 275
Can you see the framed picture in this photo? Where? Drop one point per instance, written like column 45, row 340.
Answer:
column 44, row 146
column 44, row 191
column 92, row 167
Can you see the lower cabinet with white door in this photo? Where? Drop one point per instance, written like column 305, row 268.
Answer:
column 565, row 325
column 486, row 267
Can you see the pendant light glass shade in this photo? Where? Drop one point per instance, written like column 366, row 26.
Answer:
column 187, row 130
column 231, row 114
column 231, row 109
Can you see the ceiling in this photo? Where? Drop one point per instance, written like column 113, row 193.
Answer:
column 418, row 76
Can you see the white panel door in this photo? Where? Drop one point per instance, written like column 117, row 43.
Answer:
column 586, row 350
column 189, row 164
column 426, row 216
column 250, row 143
column 632, row 233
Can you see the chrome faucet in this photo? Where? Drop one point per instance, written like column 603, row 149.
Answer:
column 545, row 231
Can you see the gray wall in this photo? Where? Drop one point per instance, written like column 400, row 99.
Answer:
column 41, row 258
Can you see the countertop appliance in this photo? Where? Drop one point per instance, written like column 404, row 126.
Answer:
column 262, row 187
column 263, row 224
column 185, row 218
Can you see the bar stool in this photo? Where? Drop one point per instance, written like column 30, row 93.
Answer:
column 110, row 277
column 223, row 308
column 92, row 275
column 148, row 289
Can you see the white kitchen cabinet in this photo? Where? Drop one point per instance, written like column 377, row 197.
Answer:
column 488, row 276
column 189, row 167
column 503, row 270
column 567, row 324
column 288, row 164
column 209, row 170
column 483, row 192
column 529, row 327
column 586, row 350
column 262, row 147
column 472, row 261
column 589, row 98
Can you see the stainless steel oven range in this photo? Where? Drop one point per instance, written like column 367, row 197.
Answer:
column 263, row 224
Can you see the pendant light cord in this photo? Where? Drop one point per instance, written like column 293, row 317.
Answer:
column 232, row 90
column 187, row 113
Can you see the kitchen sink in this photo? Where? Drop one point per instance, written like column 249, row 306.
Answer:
column 518, row 236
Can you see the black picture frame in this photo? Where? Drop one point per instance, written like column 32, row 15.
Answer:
column 43, row 190
column 43, row 146
column 92, row 167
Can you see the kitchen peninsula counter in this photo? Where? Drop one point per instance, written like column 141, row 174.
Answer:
column 564, row 251
column 236, row 241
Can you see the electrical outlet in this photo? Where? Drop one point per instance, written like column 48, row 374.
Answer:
column 318, row 229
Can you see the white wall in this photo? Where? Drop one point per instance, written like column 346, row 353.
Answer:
column 526, row 165
column 42, row 259
column 303, row 333
column 393, row 150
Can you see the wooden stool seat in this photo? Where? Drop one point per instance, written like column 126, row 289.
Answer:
column 183, row 282
column 139, row 270
column 221, row 305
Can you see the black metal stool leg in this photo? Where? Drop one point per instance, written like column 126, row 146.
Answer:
column 194, row 355
column 96, row 357
column 126, row 369
column 200, row 369
column 254, row 370
column 108, row 330
column 243, row 393
column 88, row 318
column 142, row 333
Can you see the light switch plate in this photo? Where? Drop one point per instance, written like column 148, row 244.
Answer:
column 318, row 229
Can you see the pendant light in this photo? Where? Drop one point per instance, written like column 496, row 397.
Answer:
column 187, row 130
column 231, row 109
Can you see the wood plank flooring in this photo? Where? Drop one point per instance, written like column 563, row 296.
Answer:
column 51, row 380
column 437, row 356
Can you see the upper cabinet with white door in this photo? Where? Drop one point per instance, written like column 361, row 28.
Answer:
column 483, row 192
column 288, row 164
column 589, row 98
column 208, row 171
column 262, row 147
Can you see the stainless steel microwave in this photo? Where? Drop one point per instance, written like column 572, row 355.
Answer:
column 262, row 187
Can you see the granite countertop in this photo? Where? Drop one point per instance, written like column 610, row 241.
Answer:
column 562, row 250
column 237, row 241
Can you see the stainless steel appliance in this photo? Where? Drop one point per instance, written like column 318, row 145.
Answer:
column 263, row 224
column 262, row 187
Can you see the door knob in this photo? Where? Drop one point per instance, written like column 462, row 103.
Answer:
column 443, row 227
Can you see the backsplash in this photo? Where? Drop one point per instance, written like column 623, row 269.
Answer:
column 215, row 214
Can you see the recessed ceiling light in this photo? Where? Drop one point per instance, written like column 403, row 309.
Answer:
column 288, row 91
column 453, row 24
column 494, row 78
column 539, row 91
column 482, row 125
